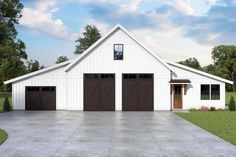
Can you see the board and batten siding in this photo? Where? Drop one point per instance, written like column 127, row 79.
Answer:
column 56, row 77
column 192, row 99
column 135, row 60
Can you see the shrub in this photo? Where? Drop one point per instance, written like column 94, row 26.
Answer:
column 212, row 109
column 204, row 109
column 6, row 104
column 232, row 104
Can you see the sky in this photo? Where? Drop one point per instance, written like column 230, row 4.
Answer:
column 173, row 29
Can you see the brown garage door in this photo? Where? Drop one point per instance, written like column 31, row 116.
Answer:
column 137, row 92
column 99, row 92
column 40, row 98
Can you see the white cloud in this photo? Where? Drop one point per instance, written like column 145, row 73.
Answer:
column 40, row 18
column 211, row 2
column 183, row 6
column 128, row 5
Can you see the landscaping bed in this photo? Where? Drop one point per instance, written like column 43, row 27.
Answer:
column 220, row 123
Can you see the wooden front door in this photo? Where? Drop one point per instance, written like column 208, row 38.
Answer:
column 177, row 96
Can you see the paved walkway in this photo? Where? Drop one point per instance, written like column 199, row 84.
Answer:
column 107, row 134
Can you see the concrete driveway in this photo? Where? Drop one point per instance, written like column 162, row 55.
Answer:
column 106, row 134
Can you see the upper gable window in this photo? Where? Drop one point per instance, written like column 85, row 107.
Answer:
column 118, row 51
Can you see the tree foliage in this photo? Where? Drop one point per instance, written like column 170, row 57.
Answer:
column 90, row 35
column 191, row 62
column 61, row 59
column 33, row 65
column 12, row 49
column 225, row 62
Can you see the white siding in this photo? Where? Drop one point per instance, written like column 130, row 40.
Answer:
column 50, row 78
column 193, row 98
column 69, row 85
column 136, row 60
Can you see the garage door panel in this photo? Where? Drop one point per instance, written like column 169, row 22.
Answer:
column 129, row 95
column 33, row 101
column 91, row 92
column 107, row 94
column 146, row 95
column 48, row 101
column 137, row 92
column 99, row 92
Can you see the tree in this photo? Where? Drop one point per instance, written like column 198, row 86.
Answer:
column 33, row 65
column 12, row 50
column 90, row 35
column 191, row 62
column 61, row 59
column 232, row 104
column 225, row 62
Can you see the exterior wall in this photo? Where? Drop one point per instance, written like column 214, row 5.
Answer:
column 135, row 60
column 193, row 97
column 50, row 78
column 69, row 85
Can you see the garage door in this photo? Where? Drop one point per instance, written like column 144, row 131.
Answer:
column 137, row 92
column 99, row 92
column 40, row 98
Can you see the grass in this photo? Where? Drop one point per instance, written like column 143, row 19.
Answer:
column 220, row 123
column 3, row 136
column 228, row 96
column 2, row 97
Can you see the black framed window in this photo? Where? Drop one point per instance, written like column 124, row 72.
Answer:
column 118, row 51
column 129, row 76
column 205, row 92
column 215, row 92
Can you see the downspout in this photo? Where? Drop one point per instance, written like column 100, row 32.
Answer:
column 171, row 99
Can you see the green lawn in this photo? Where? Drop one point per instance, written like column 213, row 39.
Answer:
column 220, row 123
column 2, row 97
column 3, row 136
column 228, row 96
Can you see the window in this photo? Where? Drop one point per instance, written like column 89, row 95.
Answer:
column 34, row 89
column 145, row 76
column 47, row 89
column 215, row 92
column 118, row 51
column 107, row 76
column 210, row 92
column 130, row 76
column 205, row 92
column 91, row 76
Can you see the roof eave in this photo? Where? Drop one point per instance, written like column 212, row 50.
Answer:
column 36, row 72
column 201, row 72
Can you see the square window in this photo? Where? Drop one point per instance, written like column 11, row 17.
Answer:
column 205, row 92
column 215, row 92
column 118, row 51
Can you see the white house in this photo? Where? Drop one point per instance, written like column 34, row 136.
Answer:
column 117, row 73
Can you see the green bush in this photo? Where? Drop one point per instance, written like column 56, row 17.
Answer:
column 232, row 104
column 6, row 104
column 212, row 109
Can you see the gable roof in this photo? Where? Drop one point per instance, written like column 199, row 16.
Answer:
column 200, row 72
column 118, row 26
column 37, row 72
